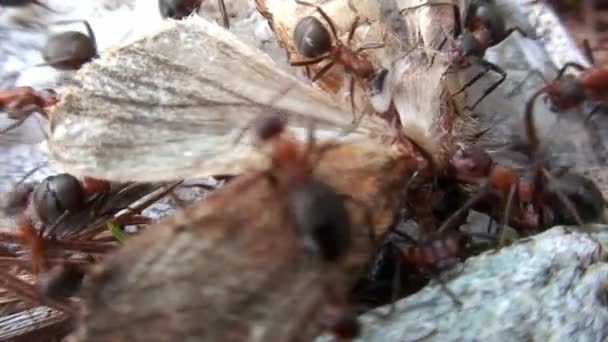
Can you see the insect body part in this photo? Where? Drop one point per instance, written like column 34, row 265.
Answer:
column 20, row 102
column 341, row 322
column 62, row 281
column 438, row 253
column 569, row 91
column 178, row 9
column 315, row 42
column 483, row 28
column 318, row 211
column 322, row 218
column 582, row 192
column 63, row 193
column 70, row 50
column 311, row 38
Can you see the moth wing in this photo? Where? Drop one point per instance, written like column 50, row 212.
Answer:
column 171, row 105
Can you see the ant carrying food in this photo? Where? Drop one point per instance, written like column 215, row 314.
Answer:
column 313, row 41
column 180, row 9
column 483, row 28
column 318, row 211
column 21, row 102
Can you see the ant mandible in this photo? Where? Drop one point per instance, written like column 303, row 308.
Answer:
column 483, row 28
column 313, row 41
column 20, row 102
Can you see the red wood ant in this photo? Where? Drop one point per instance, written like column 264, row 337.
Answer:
column 70, row 50
column 20, row 102
column 318, row 211
column 63, row 193
column 483, row 28
column 498, row 183
column 180, row 9
column 313, row 41
column 568, row 91
column 55, row 197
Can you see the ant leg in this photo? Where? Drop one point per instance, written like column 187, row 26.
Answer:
column 489, row 66
column 330, row 22
column 323, row 71
column 14, row 125
column 463, row 210
column 521, row 31
column 517, row 89
column 309, row 61
column 505, row 219
column 370, row 46
column 562, row 197
column 595, row 109
column 490, row 222
column 570, row 65
column 351, row 91
column 588, row 51
column 353, row 28
column 445, row 288
column 222, row 6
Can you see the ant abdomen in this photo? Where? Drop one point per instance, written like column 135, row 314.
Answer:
column 56, row 195
column 311, row 38
column 321, row 219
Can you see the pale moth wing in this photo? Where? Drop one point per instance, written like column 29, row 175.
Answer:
column 170, row 106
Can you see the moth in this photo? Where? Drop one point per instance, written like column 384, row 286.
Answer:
column 179, row 104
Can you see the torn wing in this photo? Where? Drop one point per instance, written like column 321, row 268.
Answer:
column 171, row 105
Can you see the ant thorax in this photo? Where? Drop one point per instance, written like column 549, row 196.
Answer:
column 568, row 92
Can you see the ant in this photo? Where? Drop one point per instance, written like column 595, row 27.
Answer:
column 318, row 211
column 483, row 28
column 180, row 9
column 568, row 91
column 20, row 102
column 313, row 41
column 55, row 197
column 70, row 50
column 63, row 193
column 500, row 185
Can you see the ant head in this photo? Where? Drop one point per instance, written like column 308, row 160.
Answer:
column 178, row 9
column 565, row 93
column 269, row 127
column 56, row 195
column 311, row 38
column 462, row 48
column 472, row 162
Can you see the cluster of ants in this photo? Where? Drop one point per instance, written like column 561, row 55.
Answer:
column 533, row 203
